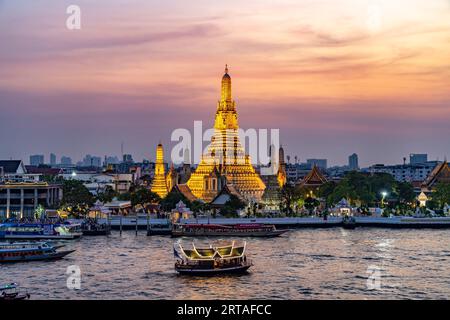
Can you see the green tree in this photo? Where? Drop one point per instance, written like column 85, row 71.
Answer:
column 76, row 198
column 171, row 200
column 232, row 206
column 107, row 195
column 311, row 203
column 405, row 193
column 441, row 195
column 143, row 196
column 198, row 206
column 326, row 190
column 289, row 195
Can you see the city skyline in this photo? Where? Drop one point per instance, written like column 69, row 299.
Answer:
column 357, row 81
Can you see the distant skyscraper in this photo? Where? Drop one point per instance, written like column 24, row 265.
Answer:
column 66, row 161
column 416, row 158
column 127, row 158
column 353, row 162
column 321, row 163
column 36, row 159
column 111, row 160
column 52, row 159
column 91, row 161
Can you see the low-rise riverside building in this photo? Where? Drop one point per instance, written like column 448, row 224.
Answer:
column 21, row 193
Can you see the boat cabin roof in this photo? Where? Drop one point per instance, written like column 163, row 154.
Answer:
column 231, row 251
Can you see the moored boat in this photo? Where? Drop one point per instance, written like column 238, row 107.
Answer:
column 10, row 292
column 236, row 230
column 30, row 251
column 94, row 228
column 39, row 231
column 348, row 222
column 212, row 260
column 159, row 229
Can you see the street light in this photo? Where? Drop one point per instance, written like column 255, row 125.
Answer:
column 383, row 194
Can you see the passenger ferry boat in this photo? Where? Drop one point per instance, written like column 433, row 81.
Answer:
column 30, row 251
column 237, row 230
column 10, row 292
column 92, row 227
column 212, row 260
column 39, row 231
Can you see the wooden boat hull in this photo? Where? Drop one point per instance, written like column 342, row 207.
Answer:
column 213, row 272
column 43, row 256
column 41, row 237
column 159, row 232
column 96, row 232
column 211, row 233
column 18, row 296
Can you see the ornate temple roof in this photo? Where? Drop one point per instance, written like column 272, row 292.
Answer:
column 184, row 190
column 224, row 195
column 441, row 173
column 315, row 178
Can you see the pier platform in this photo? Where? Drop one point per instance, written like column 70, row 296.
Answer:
column 140, row 222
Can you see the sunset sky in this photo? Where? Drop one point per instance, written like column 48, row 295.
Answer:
column 336, row 77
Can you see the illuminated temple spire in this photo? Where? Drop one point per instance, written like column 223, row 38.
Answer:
column 225, row 156
column 159, row 185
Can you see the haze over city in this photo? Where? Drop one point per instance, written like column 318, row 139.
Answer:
column 369, row 77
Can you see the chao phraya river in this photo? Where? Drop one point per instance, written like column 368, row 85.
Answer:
column 303, row 264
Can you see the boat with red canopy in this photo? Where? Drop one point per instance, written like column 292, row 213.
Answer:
column 235, row 230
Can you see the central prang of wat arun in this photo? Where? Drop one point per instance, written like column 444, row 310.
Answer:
column 225, row 162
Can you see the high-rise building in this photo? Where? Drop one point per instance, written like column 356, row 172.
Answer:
column 111, row 160
column 66, row 161
column 225, row 161
column 353, row 162
column 91, row 161
column 127, row 158
column 320, row 163
column 36, row 159
column 416, row 158
column 159, row 184
column 52, row 159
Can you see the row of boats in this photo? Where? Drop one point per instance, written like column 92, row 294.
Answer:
column 69, row 231
column 40, row 241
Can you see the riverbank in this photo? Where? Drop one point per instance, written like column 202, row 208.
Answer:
column 141, row 222
column 331, row 263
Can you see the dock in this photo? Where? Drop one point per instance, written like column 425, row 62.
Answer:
column 141, row 222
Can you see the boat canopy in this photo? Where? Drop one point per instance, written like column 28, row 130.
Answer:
column 9, row 286
column 231, row 251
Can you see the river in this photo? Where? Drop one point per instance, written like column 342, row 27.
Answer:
column 365, row 263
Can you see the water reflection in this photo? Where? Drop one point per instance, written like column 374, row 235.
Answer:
column 303, row 264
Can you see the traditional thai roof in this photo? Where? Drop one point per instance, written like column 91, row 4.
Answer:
column 224, row 195
column 314, row 178
column 440, row 173
column 184, row 190
column 12, row 166
column 44, row 170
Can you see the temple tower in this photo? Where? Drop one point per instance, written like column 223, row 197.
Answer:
column 225, row 155
column 159, row 184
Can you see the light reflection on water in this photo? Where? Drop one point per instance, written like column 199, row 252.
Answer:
column 303, row 264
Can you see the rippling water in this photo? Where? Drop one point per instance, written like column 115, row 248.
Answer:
column 302, row 264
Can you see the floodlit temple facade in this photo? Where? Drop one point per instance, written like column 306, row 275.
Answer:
column 225, row 162
column 159, row 184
